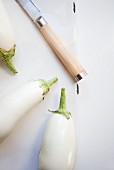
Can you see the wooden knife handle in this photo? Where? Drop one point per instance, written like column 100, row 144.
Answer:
column 63, row 53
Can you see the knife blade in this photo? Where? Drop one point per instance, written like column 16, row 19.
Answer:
column 60, row 48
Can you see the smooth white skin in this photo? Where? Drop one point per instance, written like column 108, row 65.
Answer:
column 7, row 38
column 16, row 105
column 59, row 144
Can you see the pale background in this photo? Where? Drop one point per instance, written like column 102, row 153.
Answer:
column 95, row 45
column 92, row 108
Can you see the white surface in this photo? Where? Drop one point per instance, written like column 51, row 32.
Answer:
column 34, row 60
column 95, row 119
column 95, row 46
column 6, row 29
column 57, row 151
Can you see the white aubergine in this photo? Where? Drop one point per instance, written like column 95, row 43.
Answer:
column 7, row 39
column 59, row 143
column 19, row 102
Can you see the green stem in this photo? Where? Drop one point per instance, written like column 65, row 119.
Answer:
column 45, row 85
column 52, row 81
column 10, row 65
column 6, row 56
column 62, row 106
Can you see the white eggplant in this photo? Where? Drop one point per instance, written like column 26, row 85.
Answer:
column 19, row 102
column 7, row 39
column 59, row 143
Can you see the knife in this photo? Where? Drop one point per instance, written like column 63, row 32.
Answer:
column 60, row 49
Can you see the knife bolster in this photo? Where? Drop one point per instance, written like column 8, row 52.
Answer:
column 40, row 22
